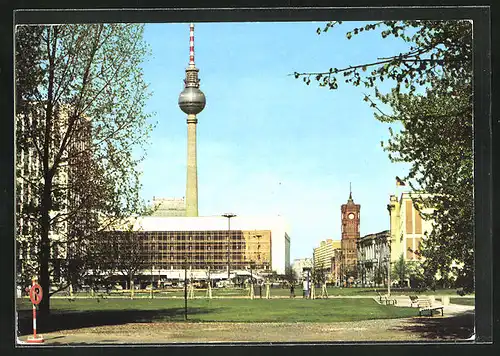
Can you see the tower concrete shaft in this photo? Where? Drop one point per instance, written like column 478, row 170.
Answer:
column 192, row 170
column 191, row 101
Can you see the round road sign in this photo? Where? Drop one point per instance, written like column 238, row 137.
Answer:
column 36, row 293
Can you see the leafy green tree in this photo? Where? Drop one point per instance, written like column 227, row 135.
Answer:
column 318, row 274
column 79, row 115
column 291, row 275
column 123, row 251
column 379, row 275
column 400, row 270
column 431, row 98
column 416, row 274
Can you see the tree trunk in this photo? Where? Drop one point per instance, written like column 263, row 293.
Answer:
column 46, row 201
column 45, row 248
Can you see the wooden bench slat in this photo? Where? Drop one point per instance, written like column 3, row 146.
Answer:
column 384, row 299
column 424, row 304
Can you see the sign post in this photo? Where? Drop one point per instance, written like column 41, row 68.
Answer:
column 36, row 295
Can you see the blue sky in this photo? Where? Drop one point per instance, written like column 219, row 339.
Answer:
column 267, row 143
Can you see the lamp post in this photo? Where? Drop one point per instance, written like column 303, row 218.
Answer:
column 185, row 289
column 375, row 271
column 258, row 250
column 152, row 280
column 228, row 216
column 389, row 266
column 152, row 267
column 390, row 208
column 251, row 280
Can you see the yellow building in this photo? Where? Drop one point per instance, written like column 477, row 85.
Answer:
column 324, row 254
column 407, row 227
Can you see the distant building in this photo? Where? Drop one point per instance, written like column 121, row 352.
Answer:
column 169, row 244
column 323, row 255
column 373, row 254
column 73, row 171
column 350, row 219
column 408, row 228
column 298, row 265
column 167, row 207
column 336, row 270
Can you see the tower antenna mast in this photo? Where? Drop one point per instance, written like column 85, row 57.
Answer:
column 192, row 102
column 191, row 45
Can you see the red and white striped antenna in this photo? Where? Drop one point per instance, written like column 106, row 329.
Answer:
column 191, row 44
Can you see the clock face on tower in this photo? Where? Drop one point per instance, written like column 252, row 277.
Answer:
column 350, row 216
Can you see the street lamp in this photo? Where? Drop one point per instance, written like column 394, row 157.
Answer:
column 389, row 266
column 228, row 216
column 185, row 289
column 390, row 207
column 152, row 265
column 252, row 266
column 152, row 280
column 375, row 271
column 258, row 250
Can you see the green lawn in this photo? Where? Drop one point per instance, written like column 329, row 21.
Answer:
column 332, row 291
column 462, row 301
column 231, row 310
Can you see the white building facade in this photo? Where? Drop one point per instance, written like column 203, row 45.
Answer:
column 299, row 264
column 260, row 241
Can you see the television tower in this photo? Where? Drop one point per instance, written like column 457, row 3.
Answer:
column 192, row 102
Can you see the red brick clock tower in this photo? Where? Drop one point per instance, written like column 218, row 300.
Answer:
column 350, row 235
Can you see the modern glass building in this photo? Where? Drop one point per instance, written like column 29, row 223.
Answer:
column 167, row 245
column 323, row 255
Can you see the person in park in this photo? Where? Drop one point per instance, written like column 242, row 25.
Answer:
column 268, row 289
column 312, row 291
column 304, row 289
column 251, row 288
column 292, row 290
column 324, row 291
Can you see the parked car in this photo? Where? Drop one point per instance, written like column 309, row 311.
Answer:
column 225, row 284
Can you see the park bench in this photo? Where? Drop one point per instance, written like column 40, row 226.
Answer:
column 413, row 300
column 388, row 301
column 384, row 299
column 425, row 305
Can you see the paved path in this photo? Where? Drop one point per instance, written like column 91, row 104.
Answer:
column 234, row 332
column 457, row 324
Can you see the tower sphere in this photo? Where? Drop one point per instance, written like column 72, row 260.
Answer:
column 192, row 100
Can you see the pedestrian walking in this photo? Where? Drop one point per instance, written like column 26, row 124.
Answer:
column 292, row 291
column 268, row 290
column 304, row 289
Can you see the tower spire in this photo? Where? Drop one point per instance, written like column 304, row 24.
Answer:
column 191, row 45
column 350, row 192
column 191, row 101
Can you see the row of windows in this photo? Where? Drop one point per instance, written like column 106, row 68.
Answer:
column 162, row 265
column 192, row 235
column 212, row 265
column 182, row 256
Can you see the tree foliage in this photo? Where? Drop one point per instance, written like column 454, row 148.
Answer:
column 79, row 116
column 400, row 270
column 431, row 97
column 291, row 275
column 318, row 274
column 122, row 251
